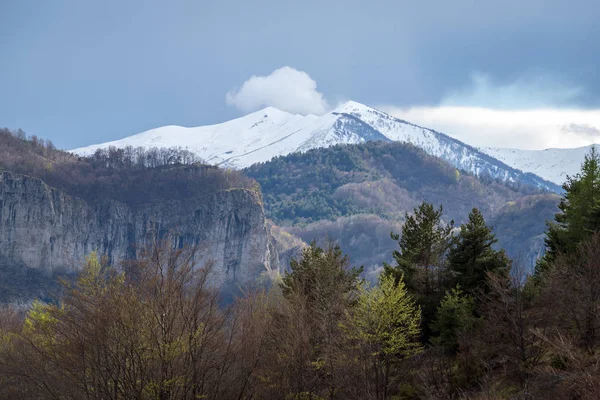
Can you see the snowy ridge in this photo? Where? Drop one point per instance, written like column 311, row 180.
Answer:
column 255, row 137
column 262, row 135
column 551, row 164
column 457, row 153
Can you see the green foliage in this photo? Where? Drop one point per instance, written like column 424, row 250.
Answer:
column 41, row 323
column 97, row 277
column 579, row 215
column 388, row 179
column 146, row 335
column 385, row 326
column 423, row 242
column 319, row 274
column 386, row 319
column 95, row 280
column 420, row 261
column 471, row 255
column 322, row 183
column 454, row 316
column 310, row 347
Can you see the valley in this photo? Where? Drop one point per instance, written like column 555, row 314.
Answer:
column 310, row 200
column 269, row 145
column 357, row 194
column 349, row 228
column 350, row 184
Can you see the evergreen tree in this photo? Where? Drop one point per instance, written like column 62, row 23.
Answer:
column 320, row 274
column 455, row 315
column 420, row 261
column 471, row 255
column 579, row 215
column 423, row 243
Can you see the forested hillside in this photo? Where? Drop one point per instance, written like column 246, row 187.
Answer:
column 448, row 313
column 322, row 192
column 383, row 178
column 449, row 317
column 130, row 175
column 523, row 218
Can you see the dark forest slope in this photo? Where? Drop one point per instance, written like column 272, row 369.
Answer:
column 314, row 193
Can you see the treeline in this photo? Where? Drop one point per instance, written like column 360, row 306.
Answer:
column 303, row 187
column 17, row 145
column 488, row 330
column 450, row 317
column 129, row 175
column 153, row 329
column 444, row 320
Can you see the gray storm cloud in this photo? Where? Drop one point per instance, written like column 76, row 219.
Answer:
column 541, row 91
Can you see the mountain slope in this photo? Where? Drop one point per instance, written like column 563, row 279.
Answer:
column 343, row 192
column 262, row 135
column 521, row 225
column 457, row 153
column 252, row 138
column 553, row 165
column 383, row 178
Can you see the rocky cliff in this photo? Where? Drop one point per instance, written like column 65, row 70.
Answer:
column 44, row 230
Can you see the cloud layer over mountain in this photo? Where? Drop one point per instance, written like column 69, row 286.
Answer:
column 532, row 112
column 534, row 129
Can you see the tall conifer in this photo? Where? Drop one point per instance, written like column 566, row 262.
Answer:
column 471, row 255
column 579, row 215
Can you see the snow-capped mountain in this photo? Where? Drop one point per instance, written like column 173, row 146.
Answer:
column 262, row 135
column 553, row 165
column 256, row 137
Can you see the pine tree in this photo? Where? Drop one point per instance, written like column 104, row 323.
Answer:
column 423, row 242
column 455, row 316
column 471, row 255
column 579, row 215
column 320, row 274
column 420, row 261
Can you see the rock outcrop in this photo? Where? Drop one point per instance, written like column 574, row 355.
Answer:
column 43, row 229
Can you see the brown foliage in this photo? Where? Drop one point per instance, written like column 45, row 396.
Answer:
column 155, row 332
column 129, row 175
column 573, row 290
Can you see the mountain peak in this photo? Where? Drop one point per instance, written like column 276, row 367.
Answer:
column 269, row 111
column 351, row 107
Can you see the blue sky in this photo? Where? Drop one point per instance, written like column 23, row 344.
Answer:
column 80, row 72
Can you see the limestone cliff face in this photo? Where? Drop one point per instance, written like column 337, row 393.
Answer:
column 44, row 229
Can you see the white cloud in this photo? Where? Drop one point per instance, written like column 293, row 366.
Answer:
column 524, row 129
column 285, row 88
column 530, row 113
